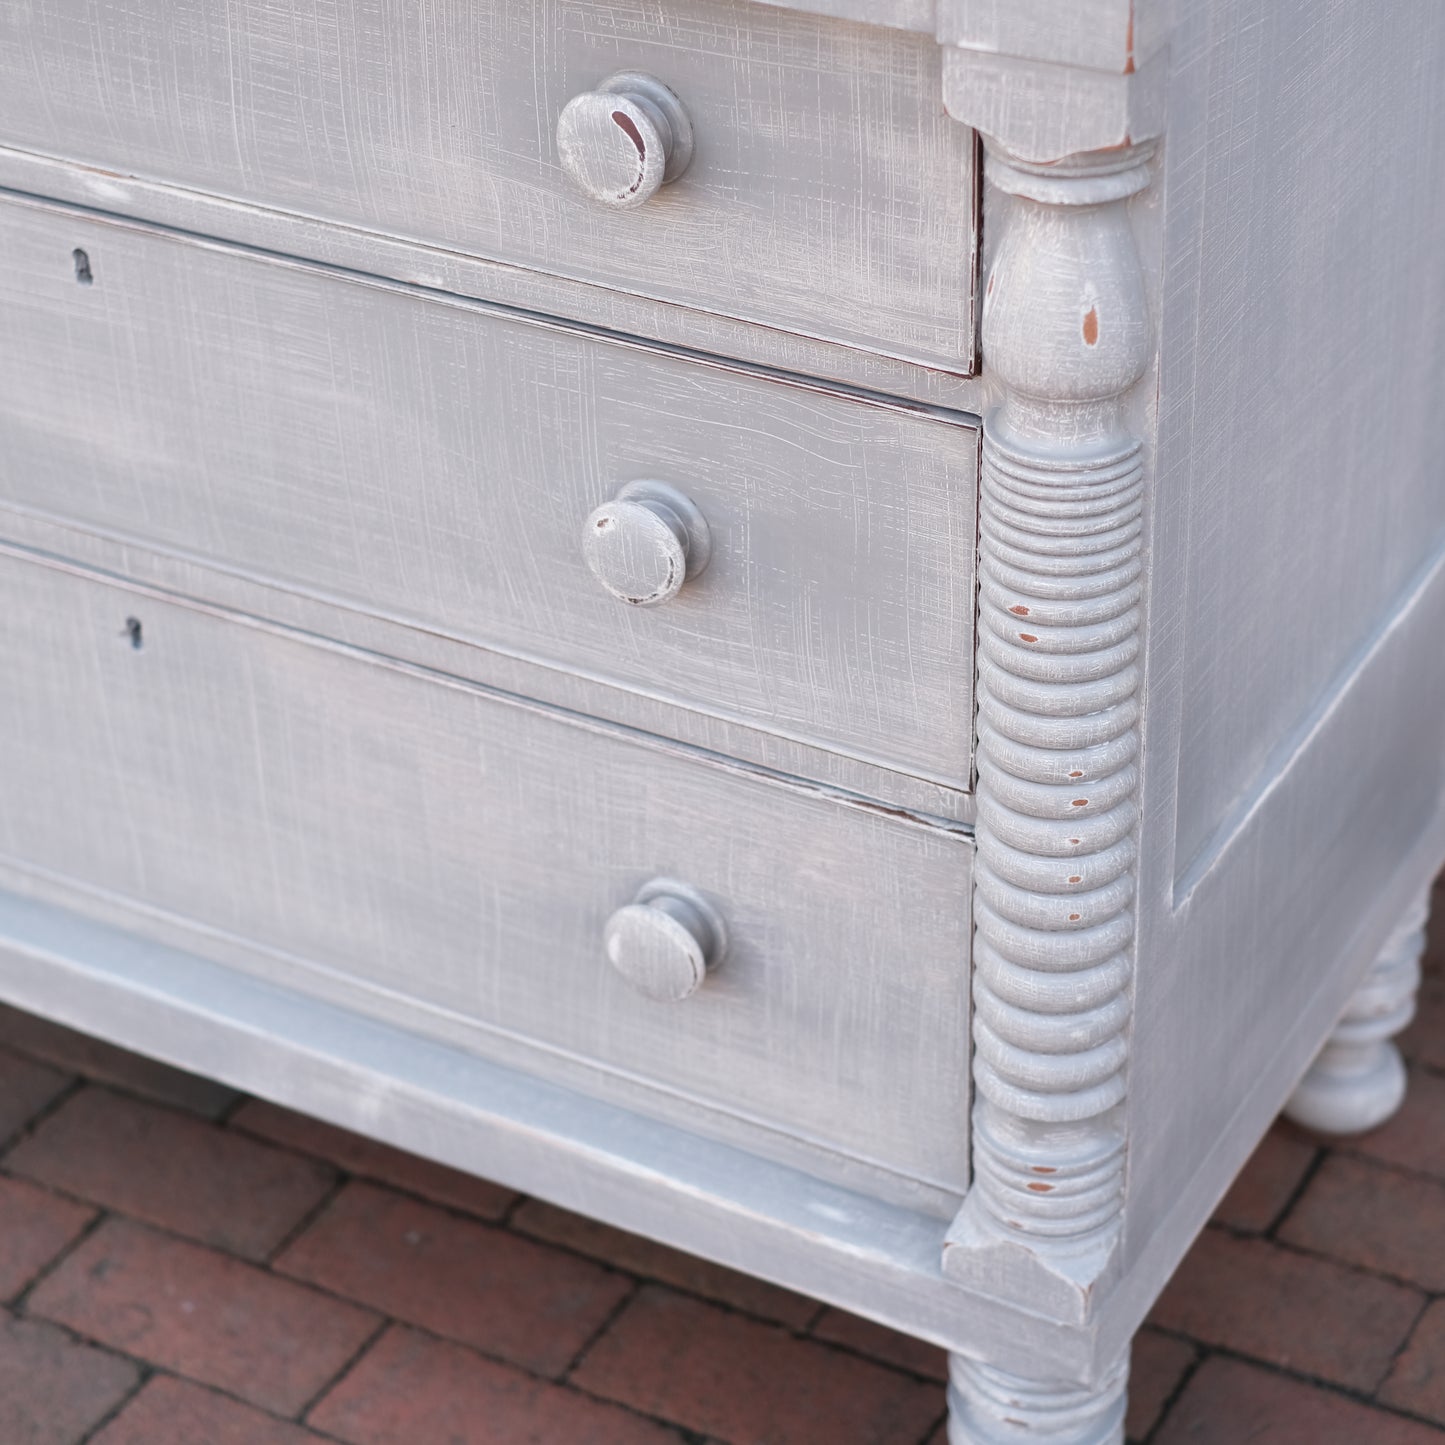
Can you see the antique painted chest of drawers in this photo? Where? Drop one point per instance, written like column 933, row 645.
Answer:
column 812, row 628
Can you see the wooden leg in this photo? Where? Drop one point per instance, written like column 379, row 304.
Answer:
column 1358, row 1079
column 991, row 1407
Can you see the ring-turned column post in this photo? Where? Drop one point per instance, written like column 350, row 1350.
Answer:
column 1066, row 336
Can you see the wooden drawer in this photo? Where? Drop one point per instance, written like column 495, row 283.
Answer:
column 434, row 461
column 448, row 859
column 828, row 193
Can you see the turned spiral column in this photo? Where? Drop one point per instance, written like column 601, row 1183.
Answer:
column 1066, row 332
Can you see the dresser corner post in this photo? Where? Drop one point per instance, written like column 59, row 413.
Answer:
column 1357, row 1080
column 1066, row 337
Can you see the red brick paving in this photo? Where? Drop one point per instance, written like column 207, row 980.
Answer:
column 178, row 1270
column 203, row 1314
column 35, row 1226
column 1417, row 1383
column 1290, row 1309
column 169, row 1411
column 156, row 1164
column 54, row 1389
column 1380, row 1219
column 470, row 1282
column 412, row 1388
column 718, row 1372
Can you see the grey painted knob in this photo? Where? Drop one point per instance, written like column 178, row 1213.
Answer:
column 665, row 940
column 623, row 141
column 646, row 542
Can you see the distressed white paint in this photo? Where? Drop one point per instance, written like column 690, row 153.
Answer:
column 434, row 461
column 829, row 194
column 1271, row 399
column 447, row 860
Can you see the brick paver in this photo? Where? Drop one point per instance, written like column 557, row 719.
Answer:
column 26, row 1087
column 204, row 1315
column 411, row 1388
column 154, row 1163
column 183, row 1277
column 1265, row 1186
column 1417, row 1382
column 740, row 1379
column 53, row 1388
column 1228, row 1402
column 479, row 1285
column 1157, row 1367
column 175, row 1412
column 1380, row 1219
column 35, row 1226
column 1302, row 1313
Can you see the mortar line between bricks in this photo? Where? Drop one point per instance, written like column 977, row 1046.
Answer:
column 613, row 1315
column 338, row 1376
column 507, row 1223
column 19, row 1304
column 1289, row 1246
column 938, row 1421
column 510, row 1212
column 1201, row 1354
column 1319, row 1382
column 310, row 1217
column 109, row 1212
column 149, row 1370
column 1303, row 1183
column 223, row 1119
column 803, row 1332
column 1390, row 1166
column 270, row 1266
column 1403, row 1345
column 147, row 1373
column 44, row 1112
column 520, row 1369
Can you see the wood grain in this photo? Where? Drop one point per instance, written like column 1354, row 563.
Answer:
column 829, row 193
column 447, row 858
column 434, row 461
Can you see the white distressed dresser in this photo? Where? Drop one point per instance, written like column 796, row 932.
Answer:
column 815, row 628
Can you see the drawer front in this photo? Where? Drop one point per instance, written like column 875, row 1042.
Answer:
column 436, row 462
column 449, row 858
column 828, row 194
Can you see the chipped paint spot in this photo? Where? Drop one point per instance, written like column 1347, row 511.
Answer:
column 1019, row 611
column 1091, row 326
column 1076, row 877
column 1075, row 917
column 1077, row 773
column 1042, row 1188
column 1027, row 637
column 1043, row 1169
column 1080, row 803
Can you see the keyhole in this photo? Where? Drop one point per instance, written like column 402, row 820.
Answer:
column 82, row 269
column 133, row 631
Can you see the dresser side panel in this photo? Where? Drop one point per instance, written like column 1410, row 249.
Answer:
column 1294, row 768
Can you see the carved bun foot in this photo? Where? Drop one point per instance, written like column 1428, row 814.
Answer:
column 991, row 1407
column 1358, row 1079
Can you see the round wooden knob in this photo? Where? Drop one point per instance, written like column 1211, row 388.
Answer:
column 665, row 940
column 646, row 542
column 621, row 142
